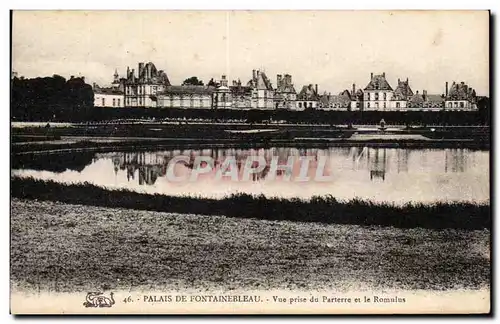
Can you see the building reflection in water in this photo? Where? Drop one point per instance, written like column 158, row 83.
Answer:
column 455, row 160
column 148, row 167
column 377, row 159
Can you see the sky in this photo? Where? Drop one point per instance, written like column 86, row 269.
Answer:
column 333, row 49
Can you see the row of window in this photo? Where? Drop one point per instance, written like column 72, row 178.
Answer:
column 377, row 105
column 376, row 96
column 456, row 105
column 140, row 90
column 305, row 105
column 116, row 102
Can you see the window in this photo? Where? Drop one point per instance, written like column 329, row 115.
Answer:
column 118, row 103
column 385, row 96
column 450, row 105
column 310, row 105
column 384, row 105
column 367, row 105
column 114, row 102
column 376, row 105
column 357, row 105
column 398, row 105
column 461, row 105
column 456, row 104
column 103, row 102
column 376, row 96
column 300, row 104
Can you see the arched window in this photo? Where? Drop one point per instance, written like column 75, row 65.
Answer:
column 450, row 105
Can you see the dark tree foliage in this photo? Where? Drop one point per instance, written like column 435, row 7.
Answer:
column 192, row 81
column 212, row 83
column 51, row 99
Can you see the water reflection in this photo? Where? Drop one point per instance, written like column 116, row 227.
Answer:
column 381, row 174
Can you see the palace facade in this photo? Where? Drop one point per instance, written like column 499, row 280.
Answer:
column 151, row 88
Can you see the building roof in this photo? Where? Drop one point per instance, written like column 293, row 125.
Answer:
column 435, row 98
column 461, row 91
column 403, row 90
column 343, row 99
column 108, row 91
column 147, row 74
column 188, row 89
column 285, row 85
column 260, row 81
column 240, row 90
column 308, row 93
column 378, row 82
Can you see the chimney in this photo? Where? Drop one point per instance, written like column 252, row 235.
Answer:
column 316, row 88
column 353, row 89
column 383, row 74
column 254, row 74
column 94, row 85
column 406, row 80
column 128, row 72
column 371, row 75
column 424, row 94
column 149, row 72
column 446, row 90
column 133, row 75
column 278, row 80
column 399, row 81
column 141, row 69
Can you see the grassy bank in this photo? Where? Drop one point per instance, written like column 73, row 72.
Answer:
column 68, row 248
column 319, row 209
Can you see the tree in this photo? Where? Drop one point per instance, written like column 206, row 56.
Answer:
column 192, row 81
column 212, row 83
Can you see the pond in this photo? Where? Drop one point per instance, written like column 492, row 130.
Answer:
column 378, row 174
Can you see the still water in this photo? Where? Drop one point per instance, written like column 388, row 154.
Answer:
column 377, row 174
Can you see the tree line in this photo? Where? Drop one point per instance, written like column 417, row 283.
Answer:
column 51, row 99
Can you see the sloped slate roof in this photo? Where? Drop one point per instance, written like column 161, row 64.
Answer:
column 435, row 98
column 188, row 89
column 403, row 91
column 308, row 93
column 240, row 90
column 378, row 82
column 461, row 91
column 109, row 91
column 261, row 82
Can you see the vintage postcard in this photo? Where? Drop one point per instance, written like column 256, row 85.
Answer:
column 250, row 162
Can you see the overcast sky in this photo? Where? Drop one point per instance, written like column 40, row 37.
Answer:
column 331, row 48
